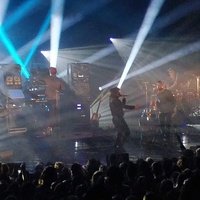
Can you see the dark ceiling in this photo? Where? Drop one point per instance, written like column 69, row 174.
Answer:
column 101, row 19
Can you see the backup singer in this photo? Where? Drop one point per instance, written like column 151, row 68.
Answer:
column 116, row 108
column 166, row 104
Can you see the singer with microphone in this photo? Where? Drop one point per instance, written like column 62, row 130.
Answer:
column 116, row 107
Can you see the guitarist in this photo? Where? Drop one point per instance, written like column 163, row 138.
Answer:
column 116, row 107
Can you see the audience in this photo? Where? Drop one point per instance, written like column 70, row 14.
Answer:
column 144, row 179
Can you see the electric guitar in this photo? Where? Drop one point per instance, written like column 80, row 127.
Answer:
column 96, row 116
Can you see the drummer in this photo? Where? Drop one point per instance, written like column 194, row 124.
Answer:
column 176, row 82
column 178, row 85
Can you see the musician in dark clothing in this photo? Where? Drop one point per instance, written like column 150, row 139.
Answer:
column 166, row 104
column 116, row 108
column 177, row 83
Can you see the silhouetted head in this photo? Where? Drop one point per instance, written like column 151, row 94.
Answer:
column 115, row 92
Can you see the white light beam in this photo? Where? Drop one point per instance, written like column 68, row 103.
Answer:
column 56, row 24
column 150, row 16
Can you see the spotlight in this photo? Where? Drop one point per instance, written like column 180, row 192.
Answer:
column 100, row 88
column 56, row 26
column 149, row 18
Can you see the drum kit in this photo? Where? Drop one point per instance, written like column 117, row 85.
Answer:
column 187, row 97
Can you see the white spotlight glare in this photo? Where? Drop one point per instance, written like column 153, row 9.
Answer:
column 46, row 54
column 149, row 18
column 56, row 25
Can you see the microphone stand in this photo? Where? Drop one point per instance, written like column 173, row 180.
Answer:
column 145, row 112
column 144, row 116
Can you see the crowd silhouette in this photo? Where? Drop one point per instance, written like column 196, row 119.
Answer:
column 120, row 179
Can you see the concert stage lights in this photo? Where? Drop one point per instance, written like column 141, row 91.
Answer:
column 38, row 38
column 11, row 49
column 180, row 53
column 12, row 19
column 185, row 51
column 150, row 16
column 3, row 8
column 55, row 29
column 20, row 12
column 163, row 21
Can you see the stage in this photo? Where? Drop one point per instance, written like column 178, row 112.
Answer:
column 79, row 146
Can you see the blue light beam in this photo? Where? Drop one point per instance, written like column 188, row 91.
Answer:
column 20, row 12
column 38, row 38
column 9, row 46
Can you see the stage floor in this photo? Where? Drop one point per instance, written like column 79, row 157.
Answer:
column 79, row 146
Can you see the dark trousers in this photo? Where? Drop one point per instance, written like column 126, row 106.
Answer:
column 122, row 129
column 53, row 120
column 165, row 120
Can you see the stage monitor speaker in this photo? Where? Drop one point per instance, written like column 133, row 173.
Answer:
column 79, row 79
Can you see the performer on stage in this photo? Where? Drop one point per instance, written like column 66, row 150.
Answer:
column 176, row 82
column 116, row 108
column 166, row 104
column 172, row 81
column 179, row 86
column 54, row 86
